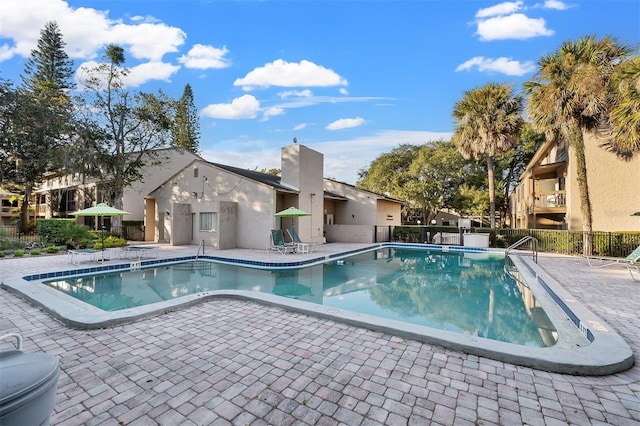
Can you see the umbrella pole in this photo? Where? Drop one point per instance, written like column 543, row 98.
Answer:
column 102, row 235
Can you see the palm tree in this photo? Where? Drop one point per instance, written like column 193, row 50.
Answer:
column 625, row 116
column 488, row 121
column 570, row 95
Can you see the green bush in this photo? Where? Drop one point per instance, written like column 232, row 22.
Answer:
column 35, row 252
column 18, row 253
column 65, row 232
column 1, row 254
column 52, row 249
column 110, row 241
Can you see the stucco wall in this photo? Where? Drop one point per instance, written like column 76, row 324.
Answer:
column 350, row 233
column 388, row 213
column 210, row 185
column 613, row 187
column 302, row 168
column 133, row 198
column 153, row 176
column 180, row 217
column 362, row 208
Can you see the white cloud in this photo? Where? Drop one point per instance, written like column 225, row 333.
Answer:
column 290, row 74
column 271, row 112
column 505, row 8
column 515, row 26
column 345, row 123
column 344, row 91
column 137, row 76
column 244, row 107
column 146, row 40
column 148, row 18
column 204, row 57
column 85, row 30
column 555, row 4
column 306, row 93
column 300, row 126
column 142, row 73
column 501, row 65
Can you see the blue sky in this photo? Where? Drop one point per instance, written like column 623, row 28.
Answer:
column 351, row 79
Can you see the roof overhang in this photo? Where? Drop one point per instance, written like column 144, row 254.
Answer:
column 543, row 169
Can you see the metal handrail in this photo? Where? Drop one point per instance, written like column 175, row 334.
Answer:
column 201, row 246
column 521, row 241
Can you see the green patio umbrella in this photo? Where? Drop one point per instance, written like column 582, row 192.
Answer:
column 292, row 212
column 101, row 210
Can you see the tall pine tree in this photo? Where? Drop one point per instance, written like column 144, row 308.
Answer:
column 41, row 114
column 49, row 70
column 186, row 127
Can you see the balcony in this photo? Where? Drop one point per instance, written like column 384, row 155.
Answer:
column 10, row 211
column 550, row 202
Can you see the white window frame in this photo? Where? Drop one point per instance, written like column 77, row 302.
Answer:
column 208, row 222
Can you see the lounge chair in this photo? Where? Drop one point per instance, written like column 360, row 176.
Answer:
column 301, row 246
column 604, row 261
column 633, row 266
column 277, row 243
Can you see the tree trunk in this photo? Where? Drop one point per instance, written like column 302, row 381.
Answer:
column 492, row 191
column 118, row 193
column 577, row 140
column 24, row 209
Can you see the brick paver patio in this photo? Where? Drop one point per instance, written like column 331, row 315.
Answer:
column 230, row 362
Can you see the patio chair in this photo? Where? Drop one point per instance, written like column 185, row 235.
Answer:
column 603, row 261
column 277, row 243
column 301, row 246
column 633, row 266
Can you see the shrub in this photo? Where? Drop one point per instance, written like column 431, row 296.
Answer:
column 1, row 254
column 109, row 242
column 35, row 252
column 63, row 232
column 18, row 253
column 6, row 241
column 52, row 249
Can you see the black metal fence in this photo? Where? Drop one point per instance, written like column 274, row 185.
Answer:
column 614, row 244
column 11, row 237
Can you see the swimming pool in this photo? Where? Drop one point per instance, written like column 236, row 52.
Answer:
column 585, row 344
column 467, row 293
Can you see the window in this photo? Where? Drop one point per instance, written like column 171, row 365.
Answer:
column 208, row 221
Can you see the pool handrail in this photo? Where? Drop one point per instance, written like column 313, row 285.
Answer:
column 521, row 241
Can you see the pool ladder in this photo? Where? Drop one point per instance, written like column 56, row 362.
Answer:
column 521, row 241
column 201, row 246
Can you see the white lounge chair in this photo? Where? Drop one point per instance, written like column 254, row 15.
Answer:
column 604, row 261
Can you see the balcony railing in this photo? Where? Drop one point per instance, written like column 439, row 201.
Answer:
column 551, row 199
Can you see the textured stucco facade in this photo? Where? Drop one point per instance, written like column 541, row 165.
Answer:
column 548, row 195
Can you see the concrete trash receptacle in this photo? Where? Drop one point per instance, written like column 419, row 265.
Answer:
column 28, row 383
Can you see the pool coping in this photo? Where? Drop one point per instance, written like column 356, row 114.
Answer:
column 606, row 353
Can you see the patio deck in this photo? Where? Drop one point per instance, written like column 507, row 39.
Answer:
column 237, row 362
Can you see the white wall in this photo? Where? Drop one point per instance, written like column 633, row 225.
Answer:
column 302, row 169
column 362, row 207
column 153, row 176
column 255, row 202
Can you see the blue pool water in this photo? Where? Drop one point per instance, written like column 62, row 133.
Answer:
column 470, row 293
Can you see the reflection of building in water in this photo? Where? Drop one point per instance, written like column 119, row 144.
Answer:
column 547, row 331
